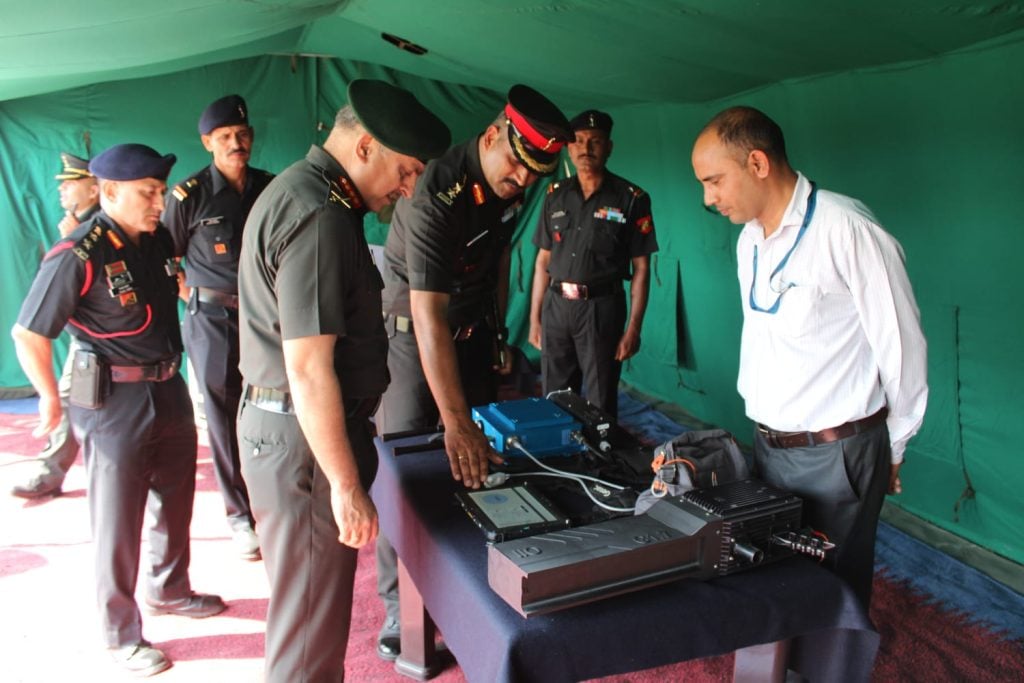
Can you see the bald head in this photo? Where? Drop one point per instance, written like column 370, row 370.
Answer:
column 745, row 129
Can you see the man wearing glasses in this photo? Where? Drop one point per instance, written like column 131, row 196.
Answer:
column 832, row 357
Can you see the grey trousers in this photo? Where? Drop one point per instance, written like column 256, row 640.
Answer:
column 843, row 485
column 311, row 574
column 140, row 456
column 408, row 405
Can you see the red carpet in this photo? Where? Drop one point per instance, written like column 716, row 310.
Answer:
column 48, row 626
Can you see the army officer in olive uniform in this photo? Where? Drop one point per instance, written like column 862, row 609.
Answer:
column 313, row 359
column 113, row 284
column 446, row 275
column 205, row 215
column 595, row 231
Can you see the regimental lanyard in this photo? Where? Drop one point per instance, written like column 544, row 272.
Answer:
column 812, row 201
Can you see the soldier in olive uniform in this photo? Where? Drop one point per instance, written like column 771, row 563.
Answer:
column 313, row 359
column 80, row 199
column 595, row 231
column 446, row 276
column 113, row 283
column 205, row 215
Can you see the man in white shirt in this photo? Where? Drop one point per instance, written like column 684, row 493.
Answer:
column 832, row 357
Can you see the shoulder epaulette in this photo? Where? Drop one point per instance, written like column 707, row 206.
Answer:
column 448, row 194
column 552, row 187
column 85, row 244
column 637, row 192
column 181, row 191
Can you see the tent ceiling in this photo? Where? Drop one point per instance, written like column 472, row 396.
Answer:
column 618, row 50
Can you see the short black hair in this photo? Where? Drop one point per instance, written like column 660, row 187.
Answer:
column 747, row 129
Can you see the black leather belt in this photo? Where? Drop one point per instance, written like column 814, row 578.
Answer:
column 777, row 439
column 276, row 401
column 158, row 372
column 575, row 290
column 216, row 297
column 460, row 333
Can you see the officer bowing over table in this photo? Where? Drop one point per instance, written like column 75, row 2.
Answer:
column 113, row 284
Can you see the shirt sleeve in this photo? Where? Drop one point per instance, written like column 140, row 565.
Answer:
column 542, row 234
column 641, row 223
column 177, row 217
column 55, row 292
column 431, row 236
column 312, row 273
column 873, row 265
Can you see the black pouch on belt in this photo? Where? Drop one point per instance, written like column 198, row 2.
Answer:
column 89, row 380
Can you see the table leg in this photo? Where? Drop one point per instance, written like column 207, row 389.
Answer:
column 419, row 655
column 761, row 663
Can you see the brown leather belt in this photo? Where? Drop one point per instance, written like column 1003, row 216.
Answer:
column 158, row 372
column 777, row 439
column 216, row 297
column 276, row 401
column 574, row 290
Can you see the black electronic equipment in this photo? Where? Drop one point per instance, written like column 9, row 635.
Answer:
column 701, row 534
column 511, row 511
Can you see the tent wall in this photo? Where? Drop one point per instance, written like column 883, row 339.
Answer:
column 932, row 147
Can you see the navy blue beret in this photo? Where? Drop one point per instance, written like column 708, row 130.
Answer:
column 229, row 110
column 398, row 120
column 592, row 119
column 131, row 162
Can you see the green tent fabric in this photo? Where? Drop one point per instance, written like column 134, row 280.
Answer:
column 912, row 107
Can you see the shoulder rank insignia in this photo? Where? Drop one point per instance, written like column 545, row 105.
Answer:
column 552, row 187
column 478, row 194
column 180, row 192
column 85, row 245
column 448, row 195
column 637, row 192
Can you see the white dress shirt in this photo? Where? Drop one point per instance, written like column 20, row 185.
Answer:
column 846, row 338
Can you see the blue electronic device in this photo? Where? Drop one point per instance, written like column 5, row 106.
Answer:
column 541, row 426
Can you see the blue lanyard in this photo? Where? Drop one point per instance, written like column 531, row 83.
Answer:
column 812, row 201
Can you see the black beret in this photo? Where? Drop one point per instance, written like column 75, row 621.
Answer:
column 398, row 120
column 537, row 129
column 229, row 110
column 75, row 168
column 592, row 119
column 131, row 162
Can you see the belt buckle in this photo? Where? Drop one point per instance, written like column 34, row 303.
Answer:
column 573, row 291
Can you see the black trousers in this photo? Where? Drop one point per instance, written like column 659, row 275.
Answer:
column 843, row 485
column 408, row 405
column 311, row 574
column 140, row 455
column 211, row 340
column 578, row 345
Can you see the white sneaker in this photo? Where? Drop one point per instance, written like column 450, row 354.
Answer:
column 247, row 544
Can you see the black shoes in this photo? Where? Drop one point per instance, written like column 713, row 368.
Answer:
column 389, row 644
column 140, row 659
column 196, row 606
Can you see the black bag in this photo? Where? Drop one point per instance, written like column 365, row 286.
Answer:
column 693, row 460
column 90, row 380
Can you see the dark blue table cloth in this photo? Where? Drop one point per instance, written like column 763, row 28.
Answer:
column 446, row 557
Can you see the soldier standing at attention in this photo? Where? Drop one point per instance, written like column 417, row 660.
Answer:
column 205, row 215
column 595, row 231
